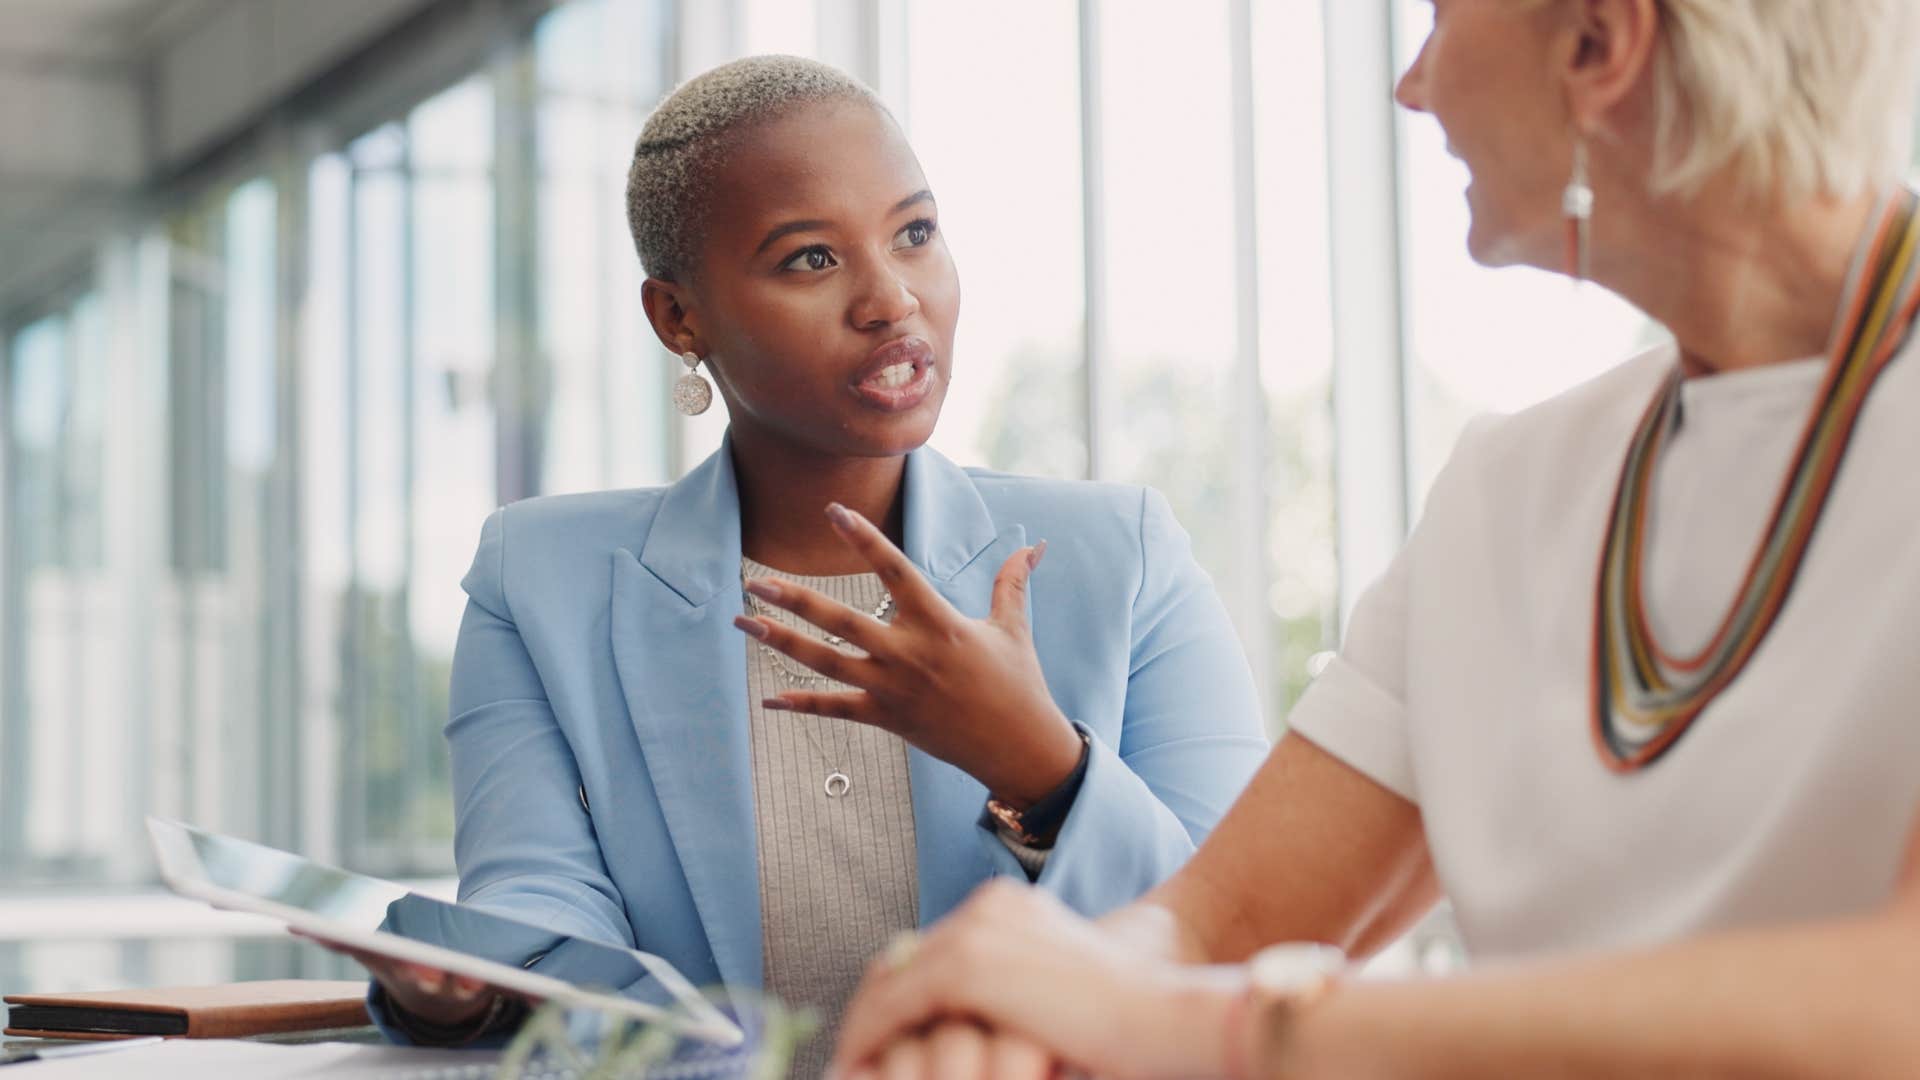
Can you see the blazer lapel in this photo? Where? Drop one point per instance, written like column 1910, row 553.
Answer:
column 682, row 669
column 951, row 536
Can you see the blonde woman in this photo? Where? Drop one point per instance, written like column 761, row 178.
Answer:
column 1639, row 696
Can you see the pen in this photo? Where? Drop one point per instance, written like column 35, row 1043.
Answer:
column 56, row 1053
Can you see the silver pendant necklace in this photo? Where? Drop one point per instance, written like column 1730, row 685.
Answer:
column 837, row 783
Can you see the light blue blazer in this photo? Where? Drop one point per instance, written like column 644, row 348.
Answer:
column 599, row 716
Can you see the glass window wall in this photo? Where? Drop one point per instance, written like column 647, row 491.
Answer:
column 246, row 454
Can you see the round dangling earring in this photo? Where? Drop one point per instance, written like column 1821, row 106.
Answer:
column 691, row 393
column 1576, row 205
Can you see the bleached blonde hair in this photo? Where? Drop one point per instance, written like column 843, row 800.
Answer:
column 688, row 137
column 1788, row 98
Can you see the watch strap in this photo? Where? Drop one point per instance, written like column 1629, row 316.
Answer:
column 1037, row 825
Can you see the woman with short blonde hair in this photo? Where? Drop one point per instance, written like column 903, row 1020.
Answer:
column 1788, row 98
column 1638, row 697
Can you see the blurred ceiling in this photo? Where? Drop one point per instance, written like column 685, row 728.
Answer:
column 99, row 97
column 96, row 31
column 69, row 112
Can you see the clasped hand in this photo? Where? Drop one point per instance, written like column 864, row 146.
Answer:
column 1015, row 986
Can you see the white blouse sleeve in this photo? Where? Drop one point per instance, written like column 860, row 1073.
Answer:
column 1356, row 710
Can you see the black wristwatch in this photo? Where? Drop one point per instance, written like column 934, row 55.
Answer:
column 1037, row 825
column 503, row 1016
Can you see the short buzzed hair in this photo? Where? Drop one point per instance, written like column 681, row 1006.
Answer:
column 686, row 140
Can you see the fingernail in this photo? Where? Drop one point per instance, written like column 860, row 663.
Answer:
column 1033, row 557
column 775, row 704
column 753, row 628
column 765, row 590
column 840, row 515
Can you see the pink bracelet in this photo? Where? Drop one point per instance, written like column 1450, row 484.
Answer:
column 1283, row 1010
column 1239, row 1067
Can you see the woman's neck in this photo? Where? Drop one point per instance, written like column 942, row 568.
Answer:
column 1737, row 286
column 784, row 494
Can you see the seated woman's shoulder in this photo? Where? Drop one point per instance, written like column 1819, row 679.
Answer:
column 1600, row 408
column 1044, row 502
column 592, row 519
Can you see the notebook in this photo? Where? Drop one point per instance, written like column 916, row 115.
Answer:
column 182, row 1059
column 232, row 1010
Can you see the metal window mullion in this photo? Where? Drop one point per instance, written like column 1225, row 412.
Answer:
column 1250, row 434
column 148, row 286
column 706, row 34
column 666, row 371
column 702, row 33
column 74, row 603
column 196, row 555
column 844, row 31
column 606, row 312
column 1095, row 385
column 1369, row 386
column 888, row 22
column 318, row 785
column 412, row 738
column 13, row 756
column 519, row 362
column 350, row 812
column 286, row 546
column 868, row 38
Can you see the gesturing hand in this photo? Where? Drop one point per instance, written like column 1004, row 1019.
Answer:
column 967, row 691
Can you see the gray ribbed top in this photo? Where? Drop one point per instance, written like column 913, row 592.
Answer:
column 837, row 876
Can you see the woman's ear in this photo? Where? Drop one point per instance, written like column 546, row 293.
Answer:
column 669, row 308
column 1612, row 50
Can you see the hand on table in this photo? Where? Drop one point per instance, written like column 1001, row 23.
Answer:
column 960, row 1050
column 967, row 691
column 1019, row 962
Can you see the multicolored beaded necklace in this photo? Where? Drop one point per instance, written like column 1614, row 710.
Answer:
column 1644, row 700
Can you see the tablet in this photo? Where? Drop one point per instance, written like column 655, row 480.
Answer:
column 383, row 918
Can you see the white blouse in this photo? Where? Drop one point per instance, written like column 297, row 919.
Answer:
column 1463, row 683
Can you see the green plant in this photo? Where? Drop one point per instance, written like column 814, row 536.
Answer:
column 628, row 1050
